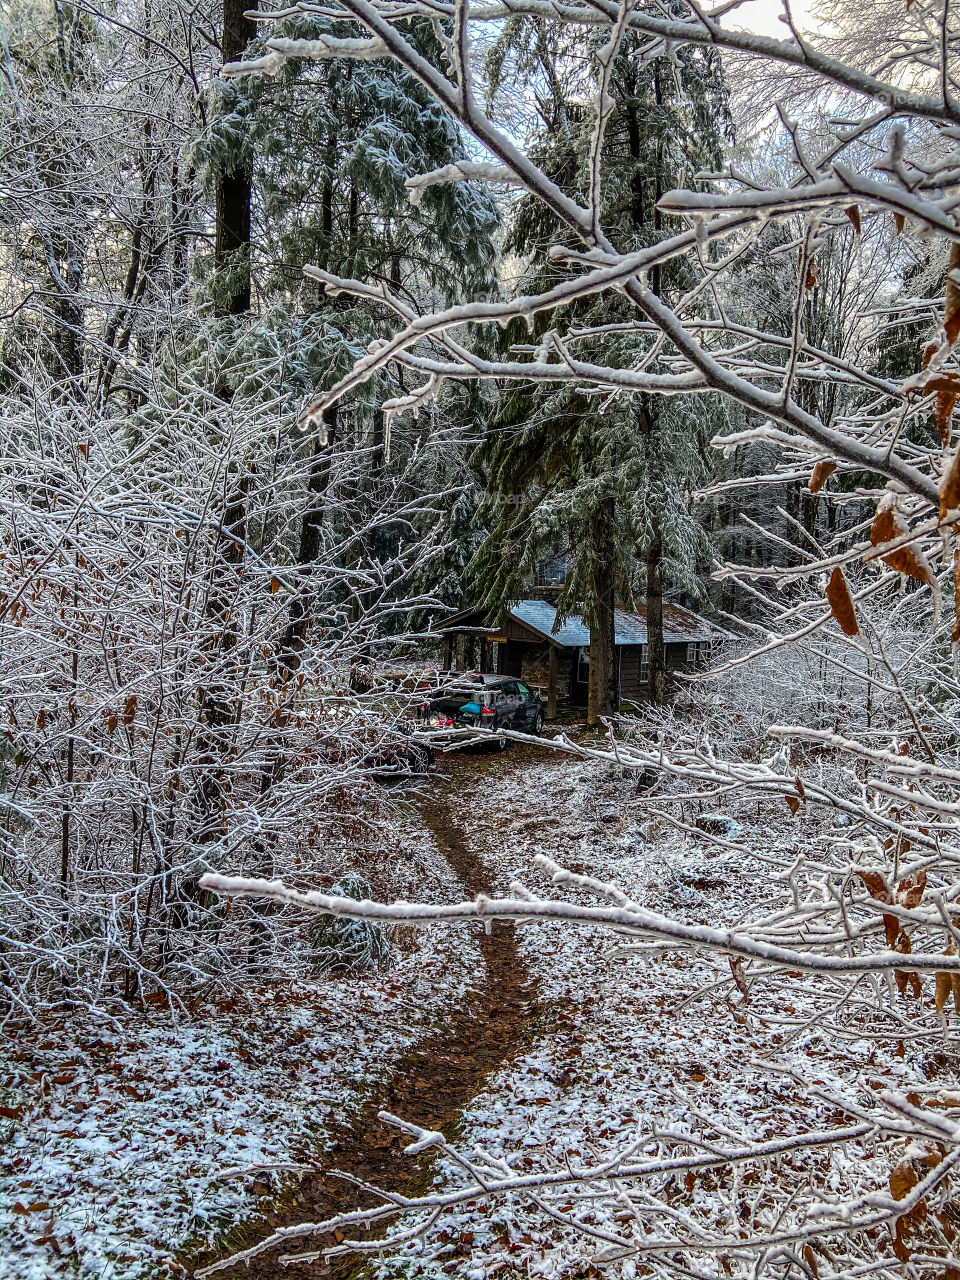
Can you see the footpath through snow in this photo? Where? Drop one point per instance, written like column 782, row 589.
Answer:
column 633, row 1046
column 433, row 1081
column 123, row 1140
column 118, row 1156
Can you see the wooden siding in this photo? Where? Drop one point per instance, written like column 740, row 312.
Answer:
column 515, row 630
column 632, row 683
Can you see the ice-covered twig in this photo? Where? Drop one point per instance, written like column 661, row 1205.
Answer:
column 636, row 920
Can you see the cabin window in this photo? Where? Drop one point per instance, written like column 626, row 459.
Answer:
column 644, row 675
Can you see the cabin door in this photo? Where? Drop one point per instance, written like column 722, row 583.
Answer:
column 513, row 658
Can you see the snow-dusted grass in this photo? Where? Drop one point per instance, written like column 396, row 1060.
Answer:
column 634, row 1049
column 118, row 1155
column 120, row 1131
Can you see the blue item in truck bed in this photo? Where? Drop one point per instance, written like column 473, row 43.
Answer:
column 472, row 707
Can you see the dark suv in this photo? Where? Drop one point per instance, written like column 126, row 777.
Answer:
column 484, row 701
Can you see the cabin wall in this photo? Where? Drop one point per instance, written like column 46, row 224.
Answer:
column 633, row 671
column 515, row 630
column 676, row 655
column 522, row 652
column 633, row 667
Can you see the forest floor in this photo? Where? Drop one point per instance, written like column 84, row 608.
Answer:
column 432, row 1083
column 546, row 1048
column 125, row 1136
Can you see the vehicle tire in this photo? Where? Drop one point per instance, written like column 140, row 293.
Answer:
column 421, row 758
column 501, row 742
column 538, row 723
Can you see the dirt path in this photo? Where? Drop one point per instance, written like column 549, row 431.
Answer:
column 433, row 1083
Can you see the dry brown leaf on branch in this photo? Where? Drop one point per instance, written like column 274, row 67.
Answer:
column 808, row 267
column 947, row 984
column 951, row 310
column 876, row 885
column 822, row 472
column 942, row 990
column 841, row 603
column 810, row 1258
column 937, row 382
column 898, row 219
column 130, row 710
column 903, row 1252
column 943, row 412
column 903, row 1178
column 853, row 213
column 891, row 929
column 950, row 489
column 793, row 804
column 905, row 977
column 877, row 888
column 739, row 977
column 887, row 527
column 910, row 889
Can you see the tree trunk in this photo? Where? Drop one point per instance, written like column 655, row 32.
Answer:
column 311, row 533
column 603, row 685
column 656, row 649
column 232, row 248
column 218, row 698
column 656, row 652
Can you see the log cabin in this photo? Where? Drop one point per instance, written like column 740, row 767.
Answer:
column 555, row 659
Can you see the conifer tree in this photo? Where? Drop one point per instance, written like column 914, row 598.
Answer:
column 604, row 477
column 333, row 144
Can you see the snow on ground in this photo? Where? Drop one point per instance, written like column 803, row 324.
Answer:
column 114, row 1140
column 625, row 1052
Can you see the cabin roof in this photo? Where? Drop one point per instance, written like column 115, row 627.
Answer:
column 679, row 625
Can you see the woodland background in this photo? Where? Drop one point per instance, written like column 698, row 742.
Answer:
column 316, row 327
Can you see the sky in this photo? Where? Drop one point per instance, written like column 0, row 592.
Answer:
column 762, row 17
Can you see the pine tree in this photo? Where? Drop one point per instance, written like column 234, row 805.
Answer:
column 604, row 476
column 328, row 147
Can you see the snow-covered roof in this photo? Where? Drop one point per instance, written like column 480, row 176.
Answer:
column 679, row 625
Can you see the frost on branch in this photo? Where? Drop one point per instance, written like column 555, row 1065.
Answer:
column 284, row 48
column 460, row 171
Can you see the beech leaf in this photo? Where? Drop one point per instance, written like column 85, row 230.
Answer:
column 951, row 311
column 887, row 527
column 821, row 474
column 950, row 489
column 841, row 604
